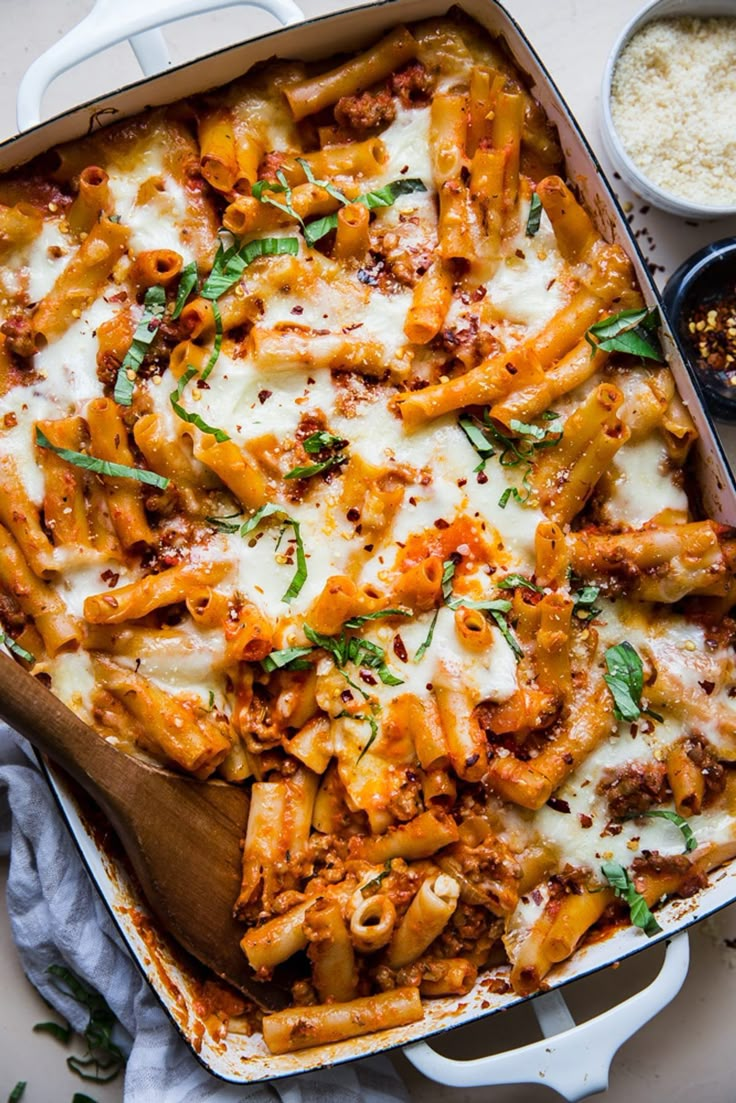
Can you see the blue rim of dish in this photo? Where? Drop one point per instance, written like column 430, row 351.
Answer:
column 696, row 282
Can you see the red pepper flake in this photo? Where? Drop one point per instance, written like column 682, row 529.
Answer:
column 297, row 310
column 611, row 829
column 707, row 687
column 441, row 523
column 481, row 478
column 110, row 577
column 353, row 515
column 558, row 804
column 10, row 420
column 585, row 819
column 711, row 327
column 263, row 396
column 400, row 649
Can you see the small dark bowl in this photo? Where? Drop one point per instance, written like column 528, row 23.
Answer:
column 700, row 281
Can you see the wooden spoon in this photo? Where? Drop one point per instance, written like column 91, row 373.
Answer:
column 182, row 836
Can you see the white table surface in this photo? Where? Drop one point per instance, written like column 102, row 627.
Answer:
column 687, row 1053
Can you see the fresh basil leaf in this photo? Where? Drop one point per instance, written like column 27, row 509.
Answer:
column 102, row 467
column 513, row 581
column 625, row 679
column 15, row 648
column 289, row 658
column 187, row 284
column 62, row 1032
column 80, row 1097
column 535, row 216
column 193, row 419
column 230, row 264
column 621, row 883
column 585, row 599
column 17, row 1093
column 154, row 305
column 351, row 649
column 679, row 821
column 425, row 646
column 629, row 331
column 381, row 197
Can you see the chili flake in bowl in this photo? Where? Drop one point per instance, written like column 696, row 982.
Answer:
column 700, row 300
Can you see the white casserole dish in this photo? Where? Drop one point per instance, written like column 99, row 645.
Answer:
column 245, row 1060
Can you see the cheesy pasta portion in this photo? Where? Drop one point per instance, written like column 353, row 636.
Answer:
column 340, row 461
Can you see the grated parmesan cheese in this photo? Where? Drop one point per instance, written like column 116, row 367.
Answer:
column 672, row 101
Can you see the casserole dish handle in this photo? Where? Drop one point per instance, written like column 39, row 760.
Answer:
column 572, row 1059
column 108, row 23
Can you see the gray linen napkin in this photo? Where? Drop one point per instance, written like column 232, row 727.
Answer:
column 58, row 917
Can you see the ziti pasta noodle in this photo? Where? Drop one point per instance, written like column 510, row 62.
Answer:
column 337, row 462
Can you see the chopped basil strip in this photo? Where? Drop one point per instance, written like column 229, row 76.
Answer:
column 493, row 605
column 679, row 821
column 62, row 1032
column 154, row 306
column 535, row 216
column 317, row 442
column 376, row 881
column 193, row 419
column 625, row 679
column 585, row 599
column 80, row 1097
column 300, row 576
column 346, row 649
column 356, row 622
column 503, row 627
column 320, row 468
column 424, row 647
column 448, row 573
column 374, row 733
column 629, row 331
column 621, row 883
column 103, row 1059
column 324, row 184
column 314, row 444
column 187, row 284
column 230, row 264
column 217, row 344
column 512, row 581
column 381, row 197
column 526, row 430
column 15, row 648
column 102, row 467
column 512, row 492
column 488, row 441
column 281, row 187
column 17, row 1093
column 289, row 658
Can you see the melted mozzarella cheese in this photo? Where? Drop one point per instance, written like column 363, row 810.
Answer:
column 43, row 263
column 642, row 487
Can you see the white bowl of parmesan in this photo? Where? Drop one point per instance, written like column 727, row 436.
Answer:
column 669, row 107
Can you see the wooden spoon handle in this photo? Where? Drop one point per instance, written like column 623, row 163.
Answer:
column 51, row 727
